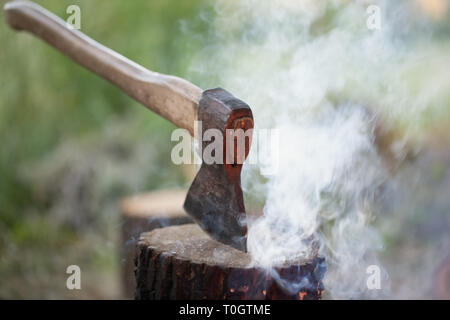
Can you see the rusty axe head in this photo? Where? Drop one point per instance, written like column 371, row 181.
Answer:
column 215, row 198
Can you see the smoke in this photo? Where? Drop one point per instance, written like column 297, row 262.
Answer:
column 314, row 71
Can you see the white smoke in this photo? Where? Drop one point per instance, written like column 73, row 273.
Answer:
column 314, row 71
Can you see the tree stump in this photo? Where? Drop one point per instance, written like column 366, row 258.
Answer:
column 144, row 213
column 183, row 262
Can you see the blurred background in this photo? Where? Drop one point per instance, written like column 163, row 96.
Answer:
column 72, row 145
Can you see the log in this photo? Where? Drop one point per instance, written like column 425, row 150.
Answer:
column 183, row 262
column 144, row 213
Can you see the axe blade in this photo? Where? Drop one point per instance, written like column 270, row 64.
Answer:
column 215, row 198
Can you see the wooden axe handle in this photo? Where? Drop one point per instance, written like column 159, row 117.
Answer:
column 171, row 97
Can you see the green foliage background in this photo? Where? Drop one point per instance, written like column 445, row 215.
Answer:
column 56, row 119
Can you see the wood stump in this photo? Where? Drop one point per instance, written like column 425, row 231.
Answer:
column 183, row 262
column 144, row 213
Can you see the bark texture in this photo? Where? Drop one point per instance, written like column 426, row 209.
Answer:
column 142, row 213
column 182, row 262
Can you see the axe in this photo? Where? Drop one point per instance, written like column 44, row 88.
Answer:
column 215, row 198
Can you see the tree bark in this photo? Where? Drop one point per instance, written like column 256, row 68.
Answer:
column 144, row 213
column 182, row 262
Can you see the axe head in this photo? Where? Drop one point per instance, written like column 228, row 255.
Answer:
column 215, row 198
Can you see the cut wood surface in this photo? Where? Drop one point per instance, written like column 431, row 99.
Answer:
column 142, row 213
column 162, row 203
column 183, row 262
